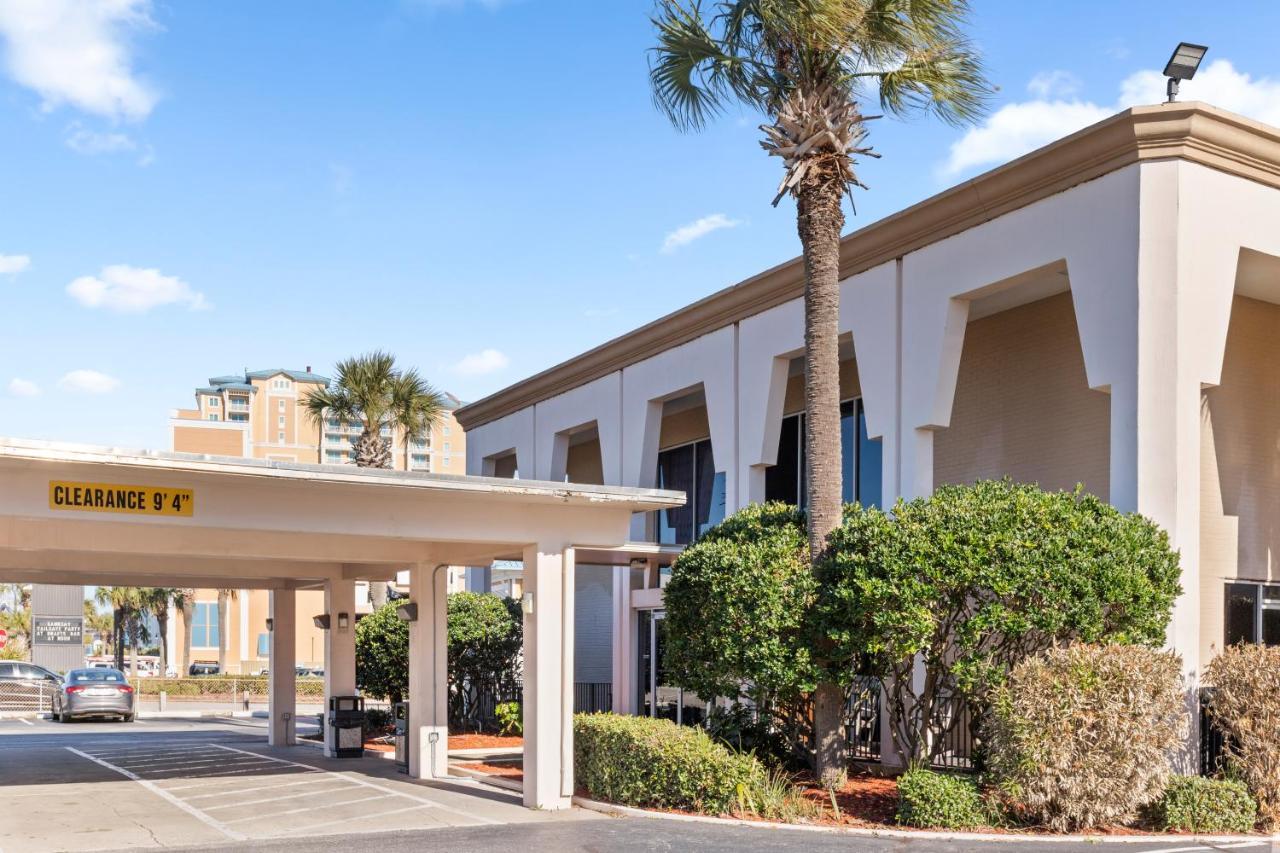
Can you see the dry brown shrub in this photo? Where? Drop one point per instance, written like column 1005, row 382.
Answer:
column 1245, row 704
column 1081, row 736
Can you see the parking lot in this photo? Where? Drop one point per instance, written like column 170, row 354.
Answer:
column 174, row 782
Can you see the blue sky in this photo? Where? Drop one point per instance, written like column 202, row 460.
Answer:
column 483, row 188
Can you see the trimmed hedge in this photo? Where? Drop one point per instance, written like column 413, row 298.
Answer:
column 1195, row 804
column 932, row 800
column 640, row 761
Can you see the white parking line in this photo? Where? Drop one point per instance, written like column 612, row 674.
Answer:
column 165, row 795
column 313, row 808
column 235, row 791
column 312, row 826
column 344, row 787
column 357, row 780
column 26, row 721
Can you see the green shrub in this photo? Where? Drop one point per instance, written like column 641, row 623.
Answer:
column 940, row 801
column 739, row 607
column 382, row 654
column 1081, row 736
column 376, row 721
column 641, row 761
column 510, row 718
column 1196, row 804
column 774, row 796
column 973, row 579
column 1245, row 704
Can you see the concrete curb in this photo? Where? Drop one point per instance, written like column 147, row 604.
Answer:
column 923, row 834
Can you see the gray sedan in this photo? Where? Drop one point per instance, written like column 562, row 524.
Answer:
column 94, row 693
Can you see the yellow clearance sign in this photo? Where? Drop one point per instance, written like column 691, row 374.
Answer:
column 113, row 497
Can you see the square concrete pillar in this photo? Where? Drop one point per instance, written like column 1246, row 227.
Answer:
column 339, row 649
column 282, row 688
column 428, row 673
column 624, row 634
column 548, row 677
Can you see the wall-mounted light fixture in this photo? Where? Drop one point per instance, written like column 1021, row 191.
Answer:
column 321, row 621
column 344, row 621
column 526, row 604
column 271, row 624
column 407, row 612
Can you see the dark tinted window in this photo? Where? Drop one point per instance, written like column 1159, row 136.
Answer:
column 7, row 670
column 80, row 676
column 781, row 481
column 1241, row 627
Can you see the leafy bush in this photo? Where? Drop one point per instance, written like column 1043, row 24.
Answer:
column 1080, row 736
column 973, row 579
column 376, row 721
column 738, row 608
column 1196, row 804
column 774, row 796
column 382, row 654
column 940, row 801
column 510, row 718
column 1245, row 704
column 486, row 636
column 641, row 761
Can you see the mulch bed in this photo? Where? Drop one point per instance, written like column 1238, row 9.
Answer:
column 485, row 741
column 511, row 771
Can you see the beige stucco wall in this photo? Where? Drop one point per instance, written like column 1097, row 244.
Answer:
column 684, row 427
column 584, row 464
column 1023, row 408
column 218, row 442
column 1240, row 464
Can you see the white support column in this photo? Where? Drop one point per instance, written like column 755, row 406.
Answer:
column 339, row 649
column 624, row 694
column 428, row 673
column 548, row 677
column 282, row 687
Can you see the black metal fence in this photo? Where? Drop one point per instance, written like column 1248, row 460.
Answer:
column 591, row 697
column 1213, row 743
column 475, row 709
column 862, row 728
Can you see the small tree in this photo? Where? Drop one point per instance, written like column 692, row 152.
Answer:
column 738, row 606
column 974, row 579
column 486, row 636
column 1245, row 704
column 382, row 654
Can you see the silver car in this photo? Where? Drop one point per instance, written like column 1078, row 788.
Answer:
column 94, row 693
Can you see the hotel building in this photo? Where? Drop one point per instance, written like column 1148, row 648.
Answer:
column 1104, row 310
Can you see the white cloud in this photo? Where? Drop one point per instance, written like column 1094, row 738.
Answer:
column 88, row 382
column 1048, row 84
column 14, row 264
column 1017, row 128
column 480, row 363
column 686, row 234
column 23, row 388
column 133, row 290
column 77, row 52
column 84, row 141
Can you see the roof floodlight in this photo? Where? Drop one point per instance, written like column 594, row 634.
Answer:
column 1183, row 65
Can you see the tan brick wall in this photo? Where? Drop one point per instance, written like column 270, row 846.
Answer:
column 1240, row 464
column 1023, row 407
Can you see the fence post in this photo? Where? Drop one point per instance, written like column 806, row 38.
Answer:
column 235, row 688
column 164, row 698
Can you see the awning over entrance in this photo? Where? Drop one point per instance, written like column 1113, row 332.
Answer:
column 74, row 514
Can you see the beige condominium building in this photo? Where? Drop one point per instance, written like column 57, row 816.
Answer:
column 1104, row 310
column 260, row 414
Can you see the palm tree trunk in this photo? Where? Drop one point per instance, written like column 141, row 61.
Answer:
column 162, row 618
column 188, row 612
column 117, row 636
column 133, row 643
column 224, row 601
column 820, row 219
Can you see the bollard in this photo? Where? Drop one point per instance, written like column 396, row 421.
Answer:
column 164, row 699
column 246, row 700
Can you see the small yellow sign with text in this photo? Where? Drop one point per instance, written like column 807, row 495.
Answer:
column 114, row 497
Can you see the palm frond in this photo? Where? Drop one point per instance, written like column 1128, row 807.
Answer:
column 688, row 69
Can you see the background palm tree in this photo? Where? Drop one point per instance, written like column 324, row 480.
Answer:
column 157, row 600
column 371, row 391
column 98, row 624
column 225, row 597
column 126, row 629
column 185, row 600
column 808, row 66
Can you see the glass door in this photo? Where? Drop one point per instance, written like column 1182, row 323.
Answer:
column 658, row 698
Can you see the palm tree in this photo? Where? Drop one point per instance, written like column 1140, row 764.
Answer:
column 125, row 603
column 808, row 66
column 185, row 600
column 415, row 408
column 369, row 390
column 157, row 600
column 98, row 624
column 225, row 597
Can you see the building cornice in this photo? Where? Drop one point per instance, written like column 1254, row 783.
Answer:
column 1196, row 132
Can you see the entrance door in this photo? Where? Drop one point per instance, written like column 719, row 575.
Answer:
column 659, row 698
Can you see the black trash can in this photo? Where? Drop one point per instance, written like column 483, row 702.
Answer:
column 346, row 726
column 400, row 711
